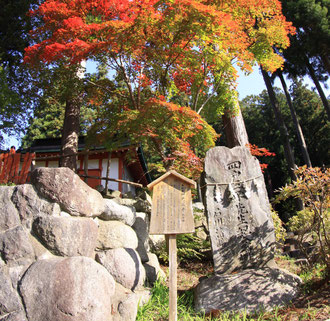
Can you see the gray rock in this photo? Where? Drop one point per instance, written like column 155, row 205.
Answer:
column 9, row 217
column 141, row 229
column 125, row 303
column 153, row 269
column 15, row 316
column 145, row 196
column 16, row 272
column 129, row 194
column 198, row 207
column 138, row 203
column 114, row 234
column 62, row 289
column 125, row 201
column 10, row 303
column 115, row 212
column 125, row 266
column 30, row 205
column 156, row 242
column 142, row 206
column 67, row 236
column 63, row 186
column 112, row 194
column 15, row 246
column 249, row 290
column 238, row 210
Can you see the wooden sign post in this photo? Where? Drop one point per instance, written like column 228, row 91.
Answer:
column 172, row 214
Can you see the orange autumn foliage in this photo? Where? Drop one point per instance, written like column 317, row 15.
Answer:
column 161, row 49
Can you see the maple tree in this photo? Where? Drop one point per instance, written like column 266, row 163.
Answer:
column 260, row 152
column 159, row 51
column 312, row 186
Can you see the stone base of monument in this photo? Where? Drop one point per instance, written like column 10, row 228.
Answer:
column 250, row 290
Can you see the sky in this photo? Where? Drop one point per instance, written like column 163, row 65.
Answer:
column 252, row 84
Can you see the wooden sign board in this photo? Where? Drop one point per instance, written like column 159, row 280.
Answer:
column 172, row 205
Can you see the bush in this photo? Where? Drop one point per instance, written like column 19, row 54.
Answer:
column 189, row 247
column 312, row 224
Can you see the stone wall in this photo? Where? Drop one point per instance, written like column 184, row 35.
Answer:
column 69, row 254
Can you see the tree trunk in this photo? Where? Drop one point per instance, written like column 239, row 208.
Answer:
column 318, row 87
column 70, row 133
column 297, row 126
column 281, row 125
column 235, row 130
column 284, row 133
column 71, row 126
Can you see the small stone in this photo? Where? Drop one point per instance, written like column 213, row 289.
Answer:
column 153, row 269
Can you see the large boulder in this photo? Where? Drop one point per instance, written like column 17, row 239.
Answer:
column 10, row 304
column 67, row 289
column 9, row 217
column 15, row 246
column 63, row 186
column 67, row 236
column 125, row 266
column 250, row 290
column 30, row 205
column 116, row 212
column 238, row 210
column 114, row 234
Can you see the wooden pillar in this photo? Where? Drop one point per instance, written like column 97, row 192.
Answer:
column 86, row 167
column 108, row 172
column 173, row 316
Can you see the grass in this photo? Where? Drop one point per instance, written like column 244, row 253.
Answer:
column 312, row 304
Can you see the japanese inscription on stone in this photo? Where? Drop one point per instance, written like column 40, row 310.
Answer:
column 172, row 206
column 241, row 228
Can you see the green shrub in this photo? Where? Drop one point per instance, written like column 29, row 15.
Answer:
column 313, row 223
column 189, row 247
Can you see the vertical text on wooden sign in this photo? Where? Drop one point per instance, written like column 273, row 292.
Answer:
column 171, row 212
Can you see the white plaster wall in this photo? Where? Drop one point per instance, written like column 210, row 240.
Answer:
column 53, row 164
column 40, row 164
column 93, row 164
column 114, row 167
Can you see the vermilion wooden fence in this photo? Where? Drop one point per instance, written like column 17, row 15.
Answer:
column 14, row 167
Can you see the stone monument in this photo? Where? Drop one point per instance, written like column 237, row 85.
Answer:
column 238, row 210
column 242, row 237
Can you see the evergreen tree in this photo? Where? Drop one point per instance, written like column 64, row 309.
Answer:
column 262, row 130
column 309, row 51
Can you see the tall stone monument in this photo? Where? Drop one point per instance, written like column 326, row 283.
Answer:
column 238, row 210
column 242, row 237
